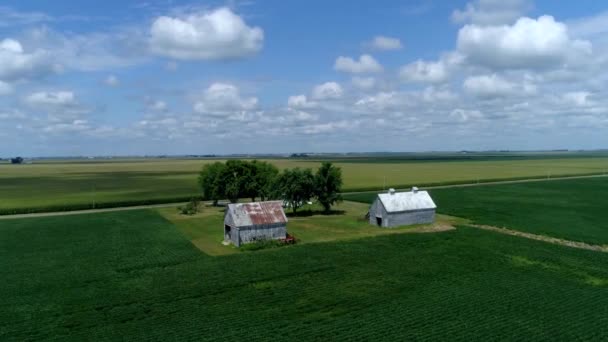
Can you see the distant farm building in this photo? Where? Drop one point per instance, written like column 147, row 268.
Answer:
column 249, row 222
column 402, row 208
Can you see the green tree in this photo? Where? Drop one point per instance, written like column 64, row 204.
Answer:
column 296, row 186
column 210, row 181
column 328, row 185
column 236, row 179
column 264, row 179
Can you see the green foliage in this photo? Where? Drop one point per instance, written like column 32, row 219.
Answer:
column 209, row 181
column 296, row 186
column 569, row 209
column 17, row 160
column 328, row 185
column 236, row 179
column 191, row 208
column 261, row 244
column 264, row 180
column 132, row 276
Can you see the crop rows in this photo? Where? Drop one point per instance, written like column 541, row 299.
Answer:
column 105, row 278
column 61, row 186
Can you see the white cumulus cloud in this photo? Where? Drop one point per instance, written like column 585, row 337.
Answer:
column 300, row 101
column 529, row 43
column 17, row 64
column 464, row 115
column 62, row 107
column 424, row 71
column 216, row 34
column 365, row 64
column 491, row 86
column 327, row 90
column 578, row 98
column 51, row 99
column 157, row 106
column 364, row 83
column 224, row 99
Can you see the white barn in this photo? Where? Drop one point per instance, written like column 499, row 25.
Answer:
column 248, row 222
column 394, row 209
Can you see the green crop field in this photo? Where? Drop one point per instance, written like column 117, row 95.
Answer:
column 48, row 186
column 570, row 209
column 134, row 276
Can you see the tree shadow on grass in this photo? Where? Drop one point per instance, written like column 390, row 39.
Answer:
column 308, row 212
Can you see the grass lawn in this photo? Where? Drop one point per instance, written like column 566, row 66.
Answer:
column 134, row 276
column 569, row 209
column 60, row 185
column 205, row 229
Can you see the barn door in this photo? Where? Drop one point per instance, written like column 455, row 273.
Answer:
column 227, row 233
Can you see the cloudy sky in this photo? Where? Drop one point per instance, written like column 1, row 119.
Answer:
column 177, row 77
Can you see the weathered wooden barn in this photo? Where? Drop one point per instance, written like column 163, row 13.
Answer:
column 394, row 209
column 248, row 222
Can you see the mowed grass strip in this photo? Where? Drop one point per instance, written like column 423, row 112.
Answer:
column 78, row 185
column 133, row 276
column 572, row 209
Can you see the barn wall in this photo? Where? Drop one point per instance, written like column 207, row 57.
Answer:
column 377, row 210
column 261, row 232
column 409, row 217
column 372, row 212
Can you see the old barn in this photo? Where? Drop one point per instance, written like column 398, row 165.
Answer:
column 394, row 209
column 248, row 222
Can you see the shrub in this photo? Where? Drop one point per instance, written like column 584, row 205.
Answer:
column 261, row 244
column 193, row 207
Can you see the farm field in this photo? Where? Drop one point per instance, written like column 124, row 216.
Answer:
column 569, row 209
column 51, row 186
column 134, row 276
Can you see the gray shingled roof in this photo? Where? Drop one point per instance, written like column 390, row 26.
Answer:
column 406, row 201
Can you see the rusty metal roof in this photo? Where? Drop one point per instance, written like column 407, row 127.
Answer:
column 257, row 213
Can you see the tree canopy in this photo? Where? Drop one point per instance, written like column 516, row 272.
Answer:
column 328, row 185
column 236, row 179
column 210, row 181
column 296, row 186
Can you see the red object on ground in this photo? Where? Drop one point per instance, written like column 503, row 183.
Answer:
column 289, row 240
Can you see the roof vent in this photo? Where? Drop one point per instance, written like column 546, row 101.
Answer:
column 414, row 189
column 391, row 191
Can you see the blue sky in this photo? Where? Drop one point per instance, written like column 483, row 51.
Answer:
column 181, row 77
